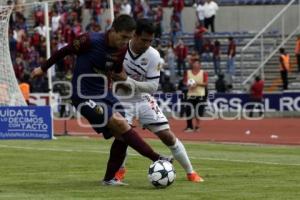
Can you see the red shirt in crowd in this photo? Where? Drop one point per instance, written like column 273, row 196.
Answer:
column 257, row 90
column 200, row 30
column 181, row 52
column 231, row 49
column 178, row 5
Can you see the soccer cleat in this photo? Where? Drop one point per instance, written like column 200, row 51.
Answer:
column 114, row 182
column 170, row 158
column 188, row 130
column 120, row 174
column 194, row 177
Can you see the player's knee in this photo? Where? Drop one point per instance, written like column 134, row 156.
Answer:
column 118, row 125
column 167, row 137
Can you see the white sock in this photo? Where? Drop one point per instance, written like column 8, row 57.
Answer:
column 181, row 156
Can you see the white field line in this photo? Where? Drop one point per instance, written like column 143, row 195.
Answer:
column 135, row 154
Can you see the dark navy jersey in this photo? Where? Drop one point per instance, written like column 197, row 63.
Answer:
column 94, row 58
column 90, row 63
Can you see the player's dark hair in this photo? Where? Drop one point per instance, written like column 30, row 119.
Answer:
column 144, row 25
column 124, row 23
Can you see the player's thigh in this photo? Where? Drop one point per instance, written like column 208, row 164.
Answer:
column 152, row 117
column 97, row 114
column 130, row 111
column 118, row 125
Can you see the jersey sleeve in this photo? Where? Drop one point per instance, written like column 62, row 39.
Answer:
column 154, row 67
column 77, row 46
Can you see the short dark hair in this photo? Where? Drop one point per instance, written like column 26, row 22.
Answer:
column 144, row 25
column 124, row 23
column 257, row 78
column 281, row 50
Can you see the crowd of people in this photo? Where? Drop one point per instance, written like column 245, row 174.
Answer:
column 27, row 35
column 28, row 45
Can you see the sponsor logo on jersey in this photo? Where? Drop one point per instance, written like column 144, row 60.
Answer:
column 144, row 61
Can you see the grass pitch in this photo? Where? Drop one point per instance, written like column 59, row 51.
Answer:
column 72, row 167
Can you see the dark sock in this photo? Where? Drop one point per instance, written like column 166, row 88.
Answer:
column 189, row 123
column 116, row 158
column 133, row 139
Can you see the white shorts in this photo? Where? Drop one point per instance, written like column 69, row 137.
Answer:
column 147, row 112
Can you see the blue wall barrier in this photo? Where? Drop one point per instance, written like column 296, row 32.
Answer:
column 288, row 101
column 26, row 122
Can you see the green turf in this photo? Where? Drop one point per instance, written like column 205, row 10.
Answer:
column 71, row 168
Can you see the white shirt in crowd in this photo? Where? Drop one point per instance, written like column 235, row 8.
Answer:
column 55, row 22
column 126, row 9
column 41, row 30
column 210, row 9
column 200, row 12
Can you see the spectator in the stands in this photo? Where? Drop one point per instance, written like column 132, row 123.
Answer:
column 12, row 45
column 231, row 51
column 97, row 10
column 199, row 37
column 256, row 96
column 178, row 6
column 158, row 17
column 138, row 10
column 146, row 9
column 210, row 11
column 285, row 65
column 207, row 50
column 39, row 15
column 200, row 11
column 220, row 84
column 126, row 8
column 297, row 52
column 192, row 56
column 164, row 3
column 21, row 21
column 77, row 28
column 181, row 51
column 93, row 26
column 175, row 28
column 77, row 8
column 19, row 67
column 55, row 20
column 41, row 29
column 170, row 58
column 217, row 57
column 107, row 24
column 34, row 56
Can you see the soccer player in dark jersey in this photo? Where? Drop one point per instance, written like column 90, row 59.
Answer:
column 98, row 55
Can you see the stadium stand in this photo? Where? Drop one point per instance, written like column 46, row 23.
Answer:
column 27, row 41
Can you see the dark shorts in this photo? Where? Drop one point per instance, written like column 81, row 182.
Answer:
column 198, row 104
column 98, row 112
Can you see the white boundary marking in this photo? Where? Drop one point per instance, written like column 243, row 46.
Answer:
column 135, row 154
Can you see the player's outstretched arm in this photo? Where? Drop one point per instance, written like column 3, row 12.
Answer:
column 79, row 45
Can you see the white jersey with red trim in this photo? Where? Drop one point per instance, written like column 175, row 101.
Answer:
column 144, row 67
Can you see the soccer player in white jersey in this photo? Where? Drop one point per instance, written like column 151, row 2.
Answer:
column 141, row 64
